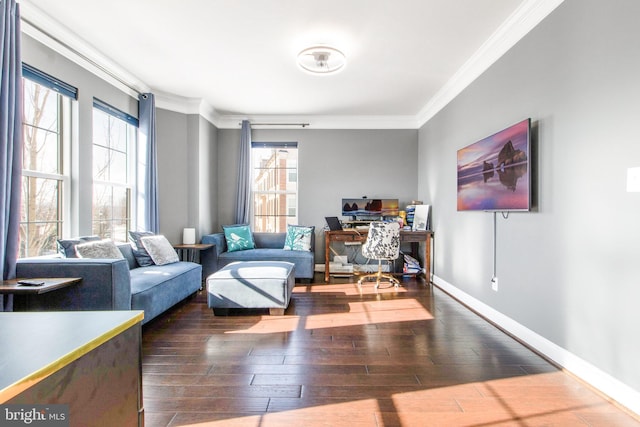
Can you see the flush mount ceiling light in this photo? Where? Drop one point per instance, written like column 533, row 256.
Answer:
column 321, row 60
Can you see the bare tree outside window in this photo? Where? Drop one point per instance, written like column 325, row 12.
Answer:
column 112, row 140
column 42, row 176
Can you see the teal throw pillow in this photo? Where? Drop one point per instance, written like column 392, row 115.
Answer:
column 298, row 238
column 239, row 238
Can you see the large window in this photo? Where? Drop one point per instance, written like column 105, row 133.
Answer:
column 275, row 186
column 45, row 184
column 114, row 137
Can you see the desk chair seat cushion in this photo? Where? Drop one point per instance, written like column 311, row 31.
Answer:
column 383, row 241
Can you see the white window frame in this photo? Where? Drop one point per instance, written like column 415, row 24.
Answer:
column 65, row 97
column 271, row 195
column 131, row 156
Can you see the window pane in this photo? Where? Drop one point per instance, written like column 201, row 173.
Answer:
column 118, row 167
column 40, row 150
column 111, row 212
column 40, row 217
column 101, row 160
column 100, row 128
column 40, row 106
column 118, row 136
column 102, row 202
column 275, row 171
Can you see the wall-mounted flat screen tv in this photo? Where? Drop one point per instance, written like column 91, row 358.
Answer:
column 370, row 207
column 494, row 174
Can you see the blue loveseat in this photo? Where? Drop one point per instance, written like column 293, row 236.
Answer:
column 110, row 284
column 269, row 247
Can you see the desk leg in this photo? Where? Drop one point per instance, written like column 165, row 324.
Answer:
column 327, row 243
column 427, row 258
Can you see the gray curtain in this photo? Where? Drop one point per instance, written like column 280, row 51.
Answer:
column 10, row 142
column 148, row 171
column 243, row 195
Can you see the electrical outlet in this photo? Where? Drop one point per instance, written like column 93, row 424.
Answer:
column 494, row 284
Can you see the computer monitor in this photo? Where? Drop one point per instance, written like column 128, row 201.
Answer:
column 370, row 208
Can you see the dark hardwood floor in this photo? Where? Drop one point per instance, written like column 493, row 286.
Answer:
column 339, row 357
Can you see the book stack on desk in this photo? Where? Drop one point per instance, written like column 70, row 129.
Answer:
column 411, row 210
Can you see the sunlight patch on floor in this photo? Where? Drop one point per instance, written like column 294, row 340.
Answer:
column 524, row 400
column 359, row 313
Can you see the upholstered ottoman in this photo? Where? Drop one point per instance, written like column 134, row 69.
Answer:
column 251, row 284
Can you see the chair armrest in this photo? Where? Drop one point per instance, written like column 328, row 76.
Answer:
column 105, row 285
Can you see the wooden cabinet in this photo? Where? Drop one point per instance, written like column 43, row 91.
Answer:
column 88, row 360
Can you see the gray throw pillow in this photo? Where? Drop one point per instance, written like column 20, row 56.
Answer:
column 99, row 249
column 67, row 247
column 139, row 252
column 160, row 250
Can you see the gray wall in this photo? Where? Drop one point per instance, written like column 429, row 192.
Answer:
column 569, row 270
column 332, row 164
column 187, row 155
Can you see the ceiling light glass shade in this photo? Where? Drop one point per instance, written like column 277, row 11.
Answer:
column 321, row 60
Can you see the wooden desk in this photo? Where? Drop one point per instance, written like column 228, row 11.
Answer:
column 353, row 235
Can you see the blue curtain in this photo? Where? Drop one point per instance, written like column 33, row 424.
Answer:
column 10, row 142
column 148, row 170
column 243, row 195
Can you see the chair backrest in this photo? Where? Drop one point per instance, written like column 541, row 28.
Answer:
column 383, row 240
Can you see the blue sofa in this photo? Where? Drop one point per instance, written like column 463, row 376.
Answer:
column 110, row 284
column 269, row 247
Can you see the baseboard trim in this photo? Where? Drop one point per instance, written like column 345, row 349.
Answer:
column 603, row 382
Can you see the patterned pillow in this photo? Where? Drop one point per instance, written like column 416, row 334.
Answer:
column 160, row 250
column 67, row 247
column 99, row 249
column 298, row 238
column 238, row 237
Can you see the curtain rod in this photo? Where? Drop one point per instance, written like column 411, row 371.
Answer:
column 304, row 125
column 81, row 55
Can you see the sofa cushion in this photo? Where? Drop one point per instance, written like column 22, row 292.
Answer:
column 140, row 253
column 238, row 237
column 160, row 250
column 99, row 249
column 67, row 247
column 298, row 238
column 156, row 288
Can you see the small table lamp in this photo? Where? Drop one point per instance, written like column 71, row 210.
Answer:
column 189, row 236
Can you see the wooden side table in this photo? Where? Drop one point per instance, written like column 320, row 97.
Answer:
column 192, row 252
column 49, row 284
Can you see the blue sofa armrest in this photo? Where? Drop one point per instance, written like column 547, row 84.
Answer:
column 105, row 285
column 209, row 258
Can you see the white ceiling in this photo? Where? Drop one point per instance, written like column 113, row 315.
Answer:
column 236, row 59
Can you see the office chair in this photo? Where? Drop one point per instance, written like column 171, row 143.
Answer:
column 383, row 243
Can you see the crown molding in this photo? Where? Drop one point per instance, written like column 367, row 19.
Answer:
column 57, row 37
column 51, row 33
column 513, row 29
column 319, row 122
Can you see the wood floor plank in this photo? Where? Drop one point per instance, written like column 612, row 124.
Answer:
column 344, row 356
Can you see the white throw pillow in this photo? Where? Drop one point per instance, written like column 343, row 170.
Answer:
column 99, row 249
column 160, row 250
